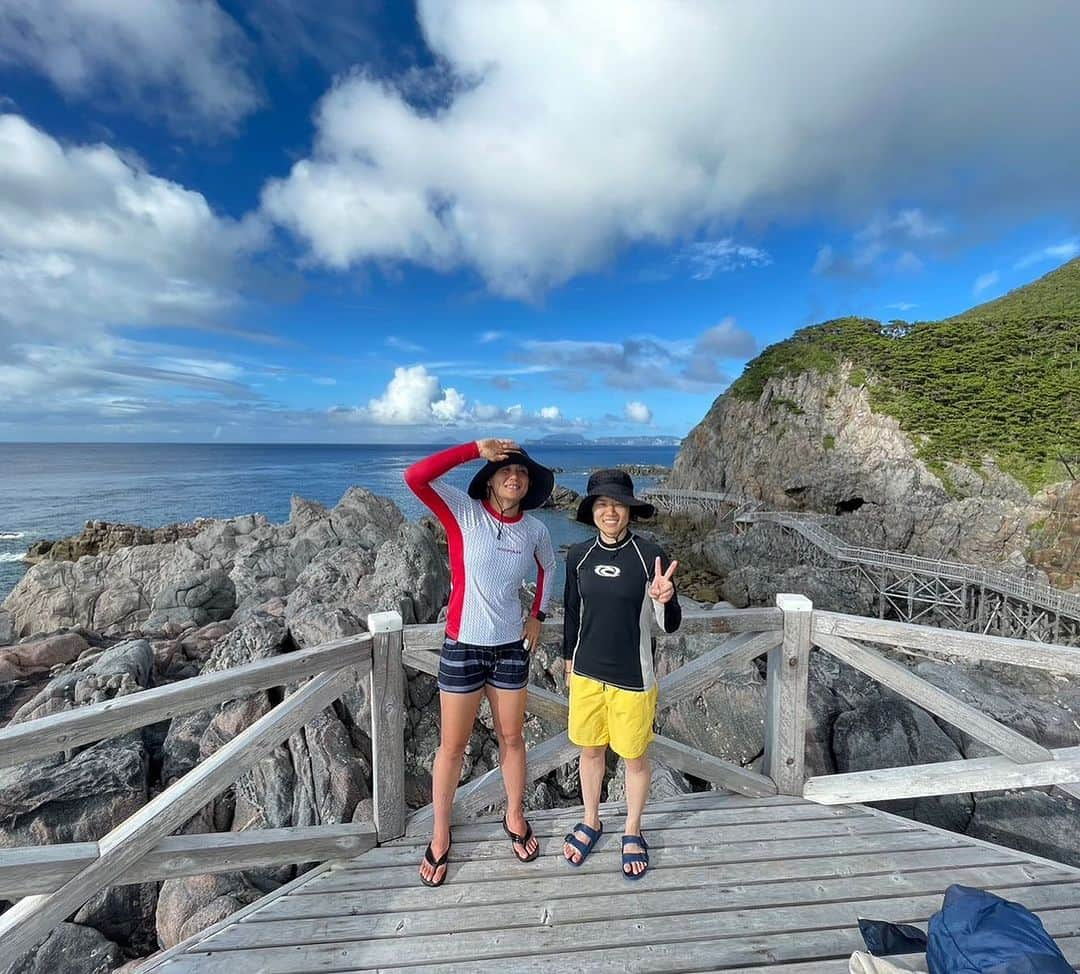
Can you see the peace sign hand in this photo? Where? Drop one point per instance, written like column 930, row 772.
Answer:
column 663, row 588
column 496, row 450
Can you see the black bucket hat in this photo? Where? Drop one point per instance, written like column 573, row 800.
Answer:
column 541, row 480
column 617, row 485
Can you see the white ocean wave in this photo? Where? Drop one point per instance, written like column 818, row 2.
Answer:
column 10, row 535
column 11, row 556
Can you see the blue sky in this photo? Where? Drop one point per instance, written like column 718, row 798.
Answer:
column 381, row 222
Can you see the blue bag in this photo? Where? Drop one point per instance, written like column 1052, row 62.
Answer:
column 976, row 932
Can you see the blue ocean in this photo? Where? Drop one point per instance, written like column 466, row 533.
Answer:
column 51, row 490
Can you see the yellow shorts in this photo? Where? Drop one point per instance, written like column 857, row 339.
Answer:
column 601, row 714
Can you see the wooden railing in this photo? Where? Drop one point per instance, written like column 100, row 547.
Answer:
column 1023, row 763
column 55, row 881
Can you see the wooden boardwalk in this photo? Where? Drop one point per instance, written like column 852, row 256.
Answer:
column 737, row 884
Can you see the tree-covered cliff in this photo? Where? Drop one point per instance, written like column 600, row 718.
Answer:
column 1000, row 380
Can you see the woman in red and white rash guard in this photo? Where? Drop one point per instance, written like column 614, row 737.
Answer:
column 494, row 547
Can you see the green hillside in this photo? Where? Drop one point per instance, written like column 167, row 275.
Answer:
column 1001, row 379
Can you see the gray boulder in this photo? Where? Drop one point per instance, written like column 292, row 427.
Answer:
column 891, row 733
column 187, row 906
column 70, row 949
column 206, row 596
column 1045, row 824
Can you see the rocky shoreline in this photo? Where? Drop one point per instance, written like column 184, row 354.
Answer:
column 204, row 597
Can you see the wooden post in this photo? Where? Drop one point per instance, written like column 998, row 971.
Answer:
column 387, row 724
column 785, row 700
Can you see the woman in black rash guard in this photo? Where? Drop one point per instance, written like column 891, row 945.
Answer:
column 616, row 583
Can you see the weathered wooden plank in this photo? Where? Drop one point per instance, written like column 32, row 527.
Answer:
column 506, row 942
column 746, row 854
column 569, row 910
column 387, row 696
column 705, row 766
column 96, row 722
column 978, row 725
column 699, row 674
column 539, row 884
column 30, row 920
column 553, row 821
column 694, row 622
column 785, row 697
column 476, row 795
column 972, row 646
column 944, row 778
column 662, row 838
column 30, row 870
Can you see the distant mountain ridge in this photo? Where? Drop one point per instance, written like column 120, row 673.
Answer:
column 576, row 439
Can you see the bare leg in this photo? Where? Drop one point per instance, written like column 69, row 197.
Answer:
column 508, row 712
column 591, row 771
column 457, row 716
column 638, row 780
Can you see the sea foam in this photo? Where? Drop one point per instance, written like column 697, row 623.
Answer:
column 11, row 556
column 10, row 535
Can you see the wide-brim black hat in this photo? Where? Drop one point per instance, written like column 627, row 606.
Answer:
column 617, row 485
column 541, row 480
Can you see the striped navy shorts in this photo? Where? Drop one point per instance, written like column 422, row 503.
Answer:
column 465, row 668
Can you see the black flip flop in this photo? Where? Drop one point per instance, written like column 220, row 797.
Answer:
column 429, row 858
column 521, row 840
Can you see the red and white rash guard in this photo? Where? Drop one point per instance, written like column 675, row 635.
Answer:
column 490, row 555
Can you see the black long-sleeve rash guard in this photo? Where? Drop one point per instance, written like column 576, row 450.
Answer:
column 606, row 630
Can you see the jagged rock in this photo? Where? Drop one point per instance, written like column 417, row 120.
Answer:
column 811, row 442
column 124, row 914
column 100, row 537
column 409, row 576
column 206, row 596
column 40, row 655
column 115, row 591
column 70, row 949
column 1045, row 824
column 331, row 775
column 563, row 499
column 7, row 629
column 53, row 801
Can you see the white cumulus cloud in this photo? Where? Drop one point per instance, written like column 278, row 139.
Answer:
column 637, row 412
column 565, row 131
column 414, row 397
column 185, row 60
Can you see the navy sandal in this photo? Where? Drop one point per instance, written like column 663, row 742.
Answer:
column 429, row 858
column 521, row 840
column 583, row 847
column 629, row 857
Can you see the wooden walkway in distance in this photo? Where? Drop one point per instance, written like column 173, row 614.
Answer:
column 736, row 884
